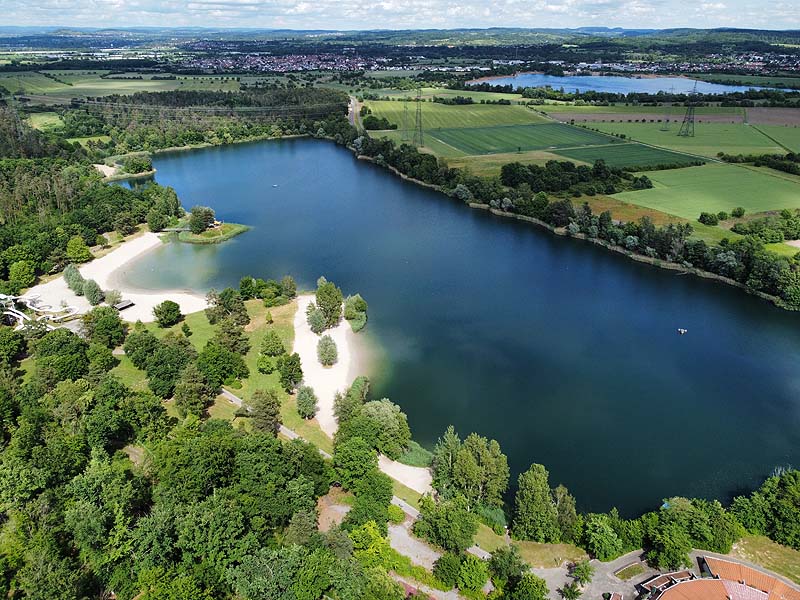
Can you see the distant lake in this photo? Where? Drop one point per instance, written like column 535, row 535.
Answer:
column 617, row 85
column 566, row 353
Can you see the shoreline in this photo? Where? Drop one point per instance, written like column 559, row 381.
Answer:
column 354, row 359
column 106, row 272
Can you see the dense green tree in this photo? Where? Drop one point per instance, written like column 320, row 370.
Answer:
column 447, row 568
column 570, row 591
column 200, row 219
column 327, row 353
column 21, row 274
column 600, row 539
column 347, row 405
column 568, row 520
column 192, row 393
column 669, row 549
column 232, row 337
column 226, row 304
column 12, row 345
column 530, row 587
column 535, row 514
column 306, row 402
column 447, row 523
column 218, row 364
column 288, row 286
column 272, row 345
column 140, row 345
column 473, row 573
column 167, row 314
column 381, row 424
column 329, row 301
column 353, row 458
column 93, row 292
column 103, row 325
column 506, row 566
column 77, row 250
column 316, row 319
column 291, row 373
column 101, row 359
column 62, row 353
column 265, row 413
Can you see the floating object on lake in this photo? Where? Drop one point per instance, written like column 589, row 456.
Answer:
column 274, row 185
column 682, row 331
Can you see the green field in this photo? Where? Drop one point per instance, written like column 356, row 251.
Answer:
column 710, row 138
column 763, row 81
column 45, row 121
column 491, row 140
column 443, row 116
column 786, row 135
column 629, row 108
column 428, row 93
column 627, row 155
column 68, row 84
column 713, row 188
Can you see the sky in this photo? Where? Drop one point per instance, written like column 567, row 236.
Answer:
column 404, row 14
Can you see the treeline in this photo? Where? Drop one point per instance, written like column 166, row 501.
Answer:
column 788, row 163
column 772, row 229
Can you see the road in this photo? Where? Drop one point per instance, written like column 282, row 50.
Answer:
column 353, row 113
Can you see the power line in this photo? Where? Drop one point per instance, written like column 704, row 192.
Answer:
column 419, row 139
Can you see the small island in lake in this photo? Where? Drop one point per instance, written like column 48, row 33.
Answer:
column 202, row 227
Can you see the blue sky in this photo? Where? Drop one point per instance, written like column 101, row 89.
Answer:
column 405, row 14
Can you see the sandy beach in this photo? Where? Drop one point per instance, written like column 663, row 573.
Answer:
column 56, row 292
column 326, row 381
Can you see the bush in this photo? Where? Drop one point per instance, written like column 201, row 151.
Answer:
column 272, row 344
column 92, row 292
column 113, row 297
column 316, row 320
column 168, row 313
column 265, row 364
column 708, row 219
column 447, row 568
column 306, row 402
column 722, row 215
column 74, row 279
column 737, row 212
column 396, row 514
column 448, row 523
column 326, row 351
column 473, row 573
column 290, row 370
column 77, row 250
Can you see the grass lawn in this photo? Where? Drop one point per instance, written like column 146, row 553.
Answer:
column 442, row 116
column 713, row 188
column 634, row 156
column 766, row 553
column 45, row 121
column 550, row 555
column 490, row 140
column 757, row 80
column 213, row 236
column 84, row 141
column 630, row 571
column 709, row 139
column 783, row 249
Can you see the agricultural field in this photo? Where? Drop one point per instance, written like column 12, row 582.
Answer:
column 713, row 188
column 443, row 116
column 709, row 139
column 627, row 155
column 786, row 136
column 68, row 84
column 629, row 108
column 757, row 80
column 490, row 140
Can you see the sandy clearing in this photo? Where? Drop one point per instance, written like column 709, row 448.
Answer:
column 106, row 170
column 56, row 292
column 795, row 243
column 326, row 381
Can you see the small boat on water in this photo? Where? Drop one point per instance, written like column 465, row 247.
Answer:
column 274, row 185
column 682, row 331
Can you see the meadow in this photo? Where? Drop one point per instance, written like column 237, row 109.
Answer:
column 443, row 116
column 786, row 135
column 630, row 156
column 489, row 140
column 709, row 139
column 629, row 108
column 713, row 188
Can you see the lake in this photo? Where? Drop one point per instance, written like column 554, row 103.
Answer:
column 617, row 85
column 566, row 353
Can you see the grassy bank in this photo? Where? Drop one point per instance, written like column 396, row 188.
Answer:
column 213, row 236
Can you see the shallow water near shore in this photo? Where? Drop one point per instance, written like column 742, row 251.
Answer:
column 566, row 353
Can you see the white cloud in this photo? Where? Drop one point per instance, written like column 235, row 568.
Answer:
column 403, row 14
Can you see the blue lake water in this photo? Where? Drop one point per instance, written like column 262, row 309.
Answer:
column 565, row 353
column 617, row 85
